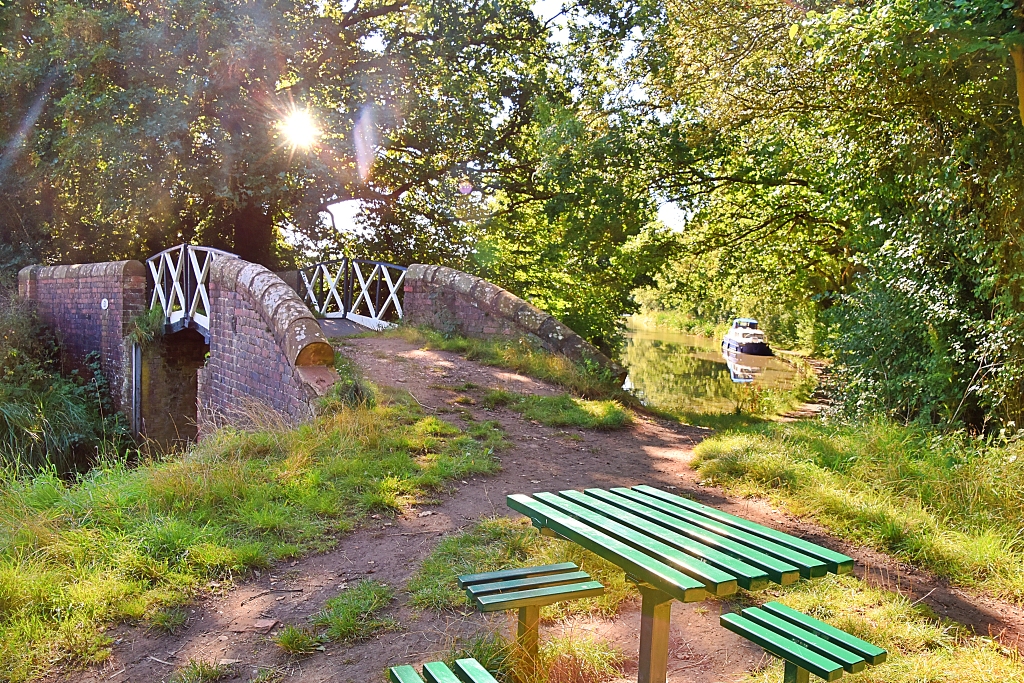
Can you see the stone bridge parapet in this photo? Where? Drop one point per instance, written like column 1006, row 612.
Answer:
column 450, row 300
column 263, row 345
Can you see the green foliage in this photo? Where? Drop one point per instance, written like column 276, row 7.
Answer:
column 120, row 543
column 353, row 615
column 523, row 357
column 562, row 410
column 944, row 502
column 47, row 420
column 123, row 153
column 849, row 176
column 146, row 327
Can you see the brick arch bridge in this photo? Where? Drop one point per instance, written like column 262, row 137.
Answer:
column 236, row 335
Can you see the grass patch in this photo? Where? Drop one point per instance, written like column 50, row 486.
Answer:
column 489, row 545
column 562, row 410
column 296, row 641
column 121, row 543
column 502, row 543
column 944, row 502
column 589, row 381
column 199, row 671
column 354, row 615
column 169, row 620
column 921, row 646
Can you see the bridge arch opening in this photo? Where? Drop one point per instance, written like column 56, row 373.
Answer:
column 169, row 387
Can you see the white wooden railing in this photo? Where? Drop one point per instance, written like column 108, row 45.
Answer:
column 366, row 292
column 181, row 286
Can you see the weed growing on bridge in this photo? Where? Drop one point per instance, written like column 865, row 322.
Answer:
column 562, row 410
column 523, row 357
column 123, row 543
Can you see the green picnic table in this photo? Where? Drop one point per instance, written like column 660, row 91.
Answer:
column 674, row 548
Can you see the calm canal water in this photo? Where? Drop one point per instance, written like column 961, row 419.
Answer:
column 688, row 373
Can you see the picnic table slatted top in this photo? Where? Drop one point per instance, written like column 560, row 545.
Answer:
column 679, row 546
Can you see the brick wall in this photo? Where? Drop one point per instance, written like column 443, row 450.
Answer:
column 451, row 301
column 265, row 346
column 69, row 299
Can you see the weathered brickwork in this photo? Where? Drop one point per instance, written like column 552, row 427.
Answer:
column 265, row 346
column 69, row 299
column 450, row 301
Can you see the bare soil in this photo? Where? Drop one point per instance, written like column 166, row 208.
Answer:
column 224, row 624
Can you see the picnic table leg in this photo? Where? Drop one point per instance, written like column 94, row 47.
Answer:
column 794, row 674
column 655, row 613
column 528, row 638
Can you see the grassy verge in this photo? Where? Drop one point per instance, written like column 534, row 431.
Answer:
column 943, row 502
column 562, row 410
column 522, row 357
column 131, row 543
column 921, row 647
column 502, row 543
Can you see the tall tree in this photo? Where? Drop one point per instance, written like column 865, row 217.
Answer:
column 138, row 125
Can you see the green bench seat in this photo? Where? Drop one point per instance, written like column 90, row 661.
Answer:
column 806, row 644
column 466, row 671
column 528, row 589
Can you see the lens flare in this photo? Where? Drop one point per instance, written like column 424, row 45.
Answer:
column 300, row 130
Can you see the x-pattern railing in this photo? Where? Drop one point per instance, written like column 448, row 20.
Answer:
column 364, row 291
column 180, row 285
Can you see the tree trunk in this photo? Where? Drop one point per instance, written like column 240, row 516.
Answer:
column 253, row 231
column 1017, row 52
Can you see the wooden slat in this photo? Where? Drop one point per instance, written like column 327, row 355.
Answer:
column 471, row 671
column 519, row 573
column 747, row 575
column 836, row 562
column 523, row 584
column 809, row 567
column 851, row 661
column 780, row 646
column 538, row 596
column 438, row 672
column 780, row 572
column 716, row 581
column 871, row 653
column 659, row 575
column 404, row 674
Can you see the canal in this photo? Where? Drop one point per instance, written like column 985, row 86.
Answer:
column 685, row 373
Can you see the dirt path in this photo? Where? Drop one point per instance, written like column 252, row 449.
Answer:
column 229, row 624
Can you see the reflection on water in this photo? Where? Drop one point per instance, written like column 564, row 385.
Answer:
column 687, row 373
